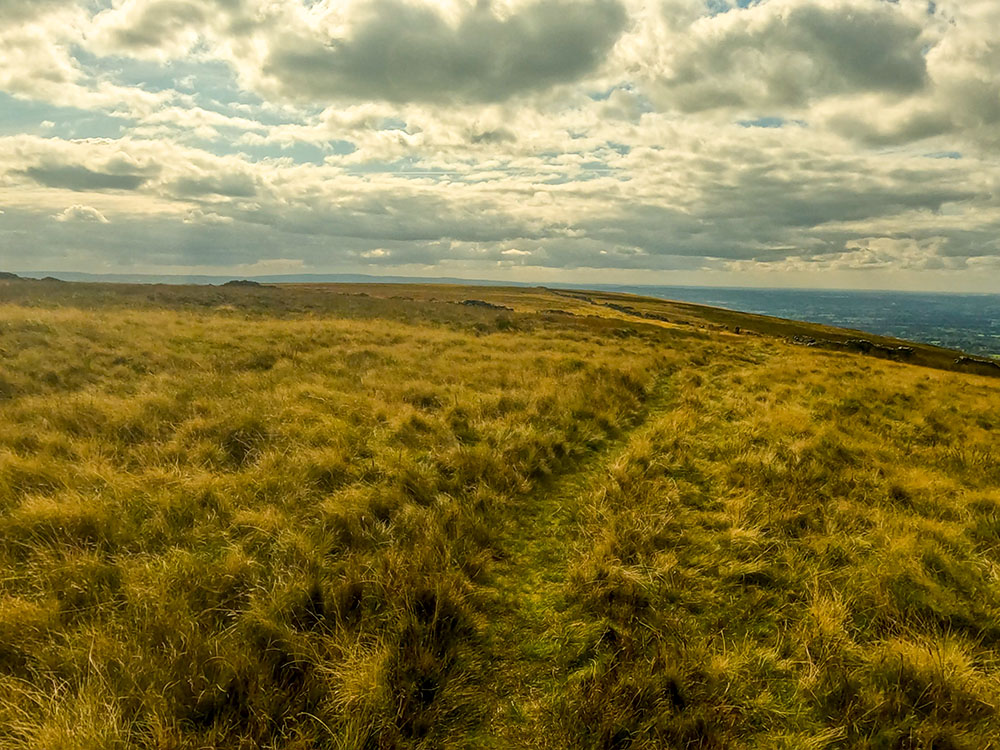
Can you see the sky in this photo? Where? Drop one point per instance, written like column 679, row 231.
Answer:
column 804, row 143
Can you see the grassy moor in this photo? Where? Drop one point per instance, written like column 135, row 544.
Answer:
column 381, row 516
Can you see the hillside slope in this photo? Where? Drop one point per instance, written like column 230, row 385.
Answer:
column 384, row 516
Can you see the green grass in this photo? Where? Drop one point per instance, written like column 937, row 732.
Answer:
column 373, row 517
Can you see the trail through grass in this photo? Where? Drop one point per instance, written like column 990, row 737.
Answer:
column 534, row 635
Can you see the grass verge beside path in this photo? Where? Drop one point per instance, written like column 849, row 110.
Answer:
column 535, row 638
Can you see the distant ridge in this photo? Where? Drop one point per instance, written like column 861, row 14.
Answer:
column 319, row 278
column 968, row 322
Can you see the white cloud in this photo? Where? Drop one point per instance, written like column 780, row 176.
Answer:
column 274, row 266
column 205, row 217
column 79, row 212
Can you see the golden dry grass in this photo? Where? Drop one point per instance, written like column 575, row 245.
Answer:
column 377, row 517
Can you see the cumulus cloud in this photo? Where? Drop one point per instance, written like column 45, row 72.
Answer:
column 78, row 212
column 269, row 266
column 788, row 53
column 75, row 177
column 228, row 185
column 406, row 51
column 206, row 217
column 158, row 28
column 962, row 98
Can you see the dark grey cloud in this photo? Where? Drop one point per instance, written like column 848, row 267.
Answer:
column 78, row 178
column 401, row 51
column 780, row 56
column 230, row 186
column 770, row 210
column 811, row 202
column 391, row 217
column 158, row 23
column 499, row 135
column 964, row 101
column 22, row 10
column 29, row 239
column 917, row 125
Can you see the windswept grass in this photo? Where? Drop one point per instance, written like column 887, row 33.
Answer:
column 221, row 532
column 802, row 552
column 323, row 518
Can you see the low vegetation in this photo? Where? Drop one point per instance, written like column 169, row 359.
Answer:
column 444, row 517
column 798, row 552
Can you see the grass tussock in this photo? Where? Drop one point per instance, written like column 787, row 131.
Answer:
column 325, row 518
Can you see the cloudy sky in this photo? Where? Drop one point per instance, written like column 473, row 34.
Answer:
column 844, row 143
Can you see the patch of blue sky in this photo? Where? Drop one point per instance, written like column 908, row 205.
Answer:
column 642, row 103
column 392, row 123
column 604, row 95
column 591, row 170
column 715, row 7
column 126, row 71
column 40, row 118
column 410, row 167
column 565, row 179
column 944, row 155
column 764, row 122
column 298, row 151
column 209, row 84
column 621, row 148
column 96, row 6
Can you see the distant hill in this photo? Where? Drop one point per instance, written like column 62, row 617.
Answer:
column 329, row 278
column 970, row 322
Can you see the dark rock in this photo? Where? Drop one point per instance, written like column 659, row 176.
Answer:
column 974, row 362
column 487, row 305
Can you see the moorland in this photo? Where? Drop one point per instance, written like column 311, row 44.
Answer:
column 402, row 516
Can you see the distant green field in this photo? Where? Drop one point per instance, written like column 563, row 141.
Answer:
column 442, row 517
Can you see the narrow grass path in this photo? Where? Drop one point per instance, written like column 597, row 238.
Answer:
column 533, row 632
